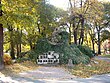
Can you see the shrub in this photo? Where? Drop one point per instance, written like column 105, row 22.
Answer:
column 7, row 59
column 42, row 46
column 86, row 50
column 79, row 57
column 32, row 55
column 65, row 50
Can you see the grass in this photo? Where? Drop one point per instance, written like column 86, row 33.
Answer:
column 14, row 69
column 85, row 71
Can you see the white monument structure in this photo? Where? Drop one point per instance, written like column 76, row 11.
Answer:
column 48, row 58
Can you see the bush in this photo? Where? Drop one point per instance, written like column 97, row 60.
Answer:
column 7, row 59
column 42, row 46
column 32, row 55
column 65, row 50
column 79, row 57
column 86, row 50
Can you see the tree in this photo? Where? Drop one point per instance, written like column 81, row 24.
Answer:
column 15, row 16
column 49, row 17
column 1, row 41
column 106, row 14
column 105, row 34
column 79, row 12
column 90, row 30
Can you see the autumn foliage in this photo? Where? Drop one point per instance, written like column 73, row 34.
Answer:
column 7, row 59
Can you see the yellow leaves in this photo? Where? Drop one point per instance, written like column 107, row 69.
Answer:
column 33, row 9
column 19, row 12
column 19, row 6
column 7, row 59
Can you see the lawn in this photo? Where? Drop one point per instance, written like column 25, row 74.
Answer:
column 85, row 71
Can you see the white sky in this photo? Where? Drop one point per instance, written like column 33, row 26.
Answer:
column 60, row 3
column 64, row 3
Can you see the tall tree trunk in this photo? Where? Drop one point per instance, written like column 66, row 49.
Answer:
column 93, row 47
column 73, row 20
column 81, row 39
column 20, row 43
column 75, row 36
column 99, row 43
column 70, row 34
column 82, row 31
column 1, row 43
column 12, row 52
column 1, row 47
column 75, row 31
column 17, row 48
column 17, row 43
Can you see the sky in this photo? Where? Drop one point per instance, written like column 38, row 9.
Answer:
column 64, row 4
column 60, row 3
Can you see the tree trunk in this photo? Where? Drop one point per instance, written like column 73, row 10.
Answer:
column 75, row 36
column 17, row 48
column 93, row 47
column 82, row 36
column 20, row 43
column 1, row 47
column 12, row 53
column 81, row 39
column 70, row 34
column 75, row 31
column 1, row 43
column 17, row 43
column 73, row 24
column 99, row 43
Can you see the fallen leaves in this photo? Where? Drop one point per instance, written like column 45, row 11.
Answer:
column 14, row 69
column 85, row 71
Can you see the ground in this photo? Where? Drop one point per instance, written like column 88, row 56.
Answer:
column 53, row 75
column 16, row 68
column 103, row 58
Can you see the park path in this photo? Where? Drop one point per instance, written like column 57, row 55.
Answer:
column 53, row 75
column 48, row 73
column 102, row 58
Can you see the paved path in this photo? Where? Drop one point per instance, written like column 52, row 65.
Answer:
column 48, row 73
column 102, row 58
column 34, row 77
